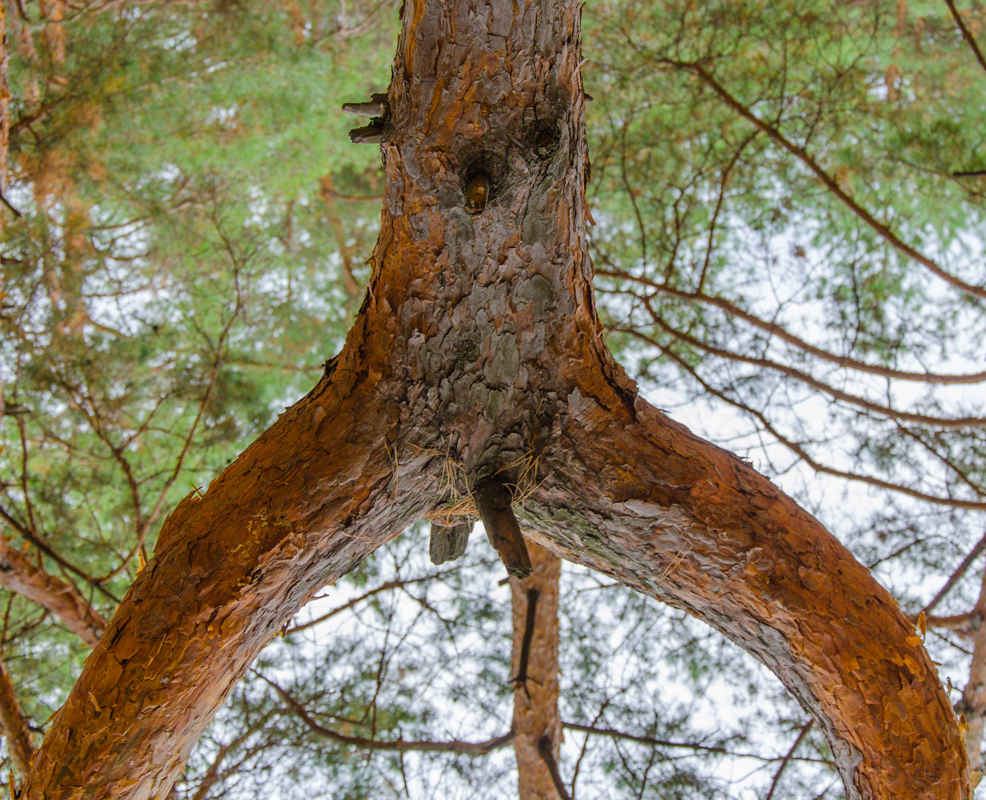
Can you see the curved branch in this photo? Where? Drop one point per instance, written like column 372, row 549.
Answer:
column 808, row 380
column 773, row 329
column 398, row 745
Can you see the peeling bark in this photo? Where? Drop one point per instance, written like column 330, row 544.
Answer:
column 478, row 345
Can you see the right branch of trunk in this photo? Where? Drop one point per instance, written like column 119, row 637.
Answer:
column 679, row 519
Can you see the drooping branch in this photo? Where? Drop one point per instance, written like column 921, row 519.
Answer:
column 778, row 331
column 827, row 180
column 494, row 502
column 19, row 575
column 835, row 393
column 395, row 745
column 802, row 454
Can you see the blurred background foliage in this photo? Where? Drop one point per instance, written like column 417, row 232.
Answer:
column 785, row 260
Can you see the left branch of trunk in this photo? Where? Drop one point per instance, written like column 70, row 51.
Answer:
column 302, row 506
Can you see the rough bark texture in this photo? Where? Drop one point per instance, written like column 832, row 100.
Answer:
column 478, row 345
column 536, row 674
column 4, row 115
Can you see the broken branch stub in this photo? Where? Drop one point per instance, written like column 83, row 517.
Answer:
column 495, row 509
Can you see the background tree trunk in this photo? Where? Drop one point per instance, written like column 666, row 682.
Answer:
column 534, row 669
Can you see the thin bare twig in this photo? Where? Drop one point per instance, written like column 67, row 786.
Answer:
column 801, row 453
column 956, row 576
column 827, row 180
column 787, row 758
column 966, row 33
column 781, row 333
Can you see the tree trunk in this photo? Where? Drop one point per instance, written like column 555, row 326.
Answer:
column 478, row 343
column 534, row 668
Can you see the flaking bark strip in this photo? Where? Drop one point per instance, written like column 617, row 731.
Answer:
column 525, row 647
column 495, row 509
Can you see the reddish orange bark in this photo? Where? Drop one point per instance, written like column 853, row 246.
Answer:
column 479, row 342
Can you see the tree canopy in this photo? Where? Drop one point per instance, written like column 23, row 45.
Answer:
column 786, row 261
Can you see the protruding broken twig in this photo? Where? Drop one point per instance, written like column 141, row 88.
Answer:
column 378, row 108
column 494, row 503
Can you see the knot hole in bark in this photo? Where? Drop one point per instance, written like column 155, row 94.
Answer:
column 482, row 176
column 542, row 138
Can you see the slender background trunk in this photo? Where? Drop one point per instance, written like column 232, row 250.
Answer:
column 534, row 666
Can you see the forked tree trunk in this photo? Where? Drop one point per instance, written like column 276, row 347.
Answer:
column 479, row 343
